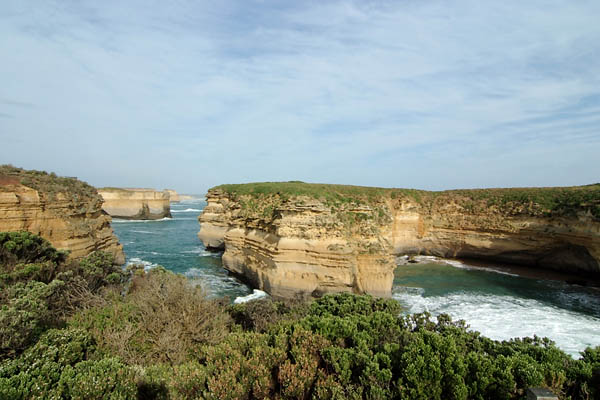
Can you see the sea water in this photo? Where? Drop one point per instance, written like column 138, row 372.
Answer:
column 496, row 302
column 173, row 243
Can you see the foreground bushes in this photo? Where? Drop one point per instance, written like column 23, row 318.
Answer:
column 83, row 331
column 40, row 289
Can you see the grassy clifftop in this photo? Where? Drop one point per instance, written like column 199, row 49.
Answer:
column 43, row 182
column 546, row 201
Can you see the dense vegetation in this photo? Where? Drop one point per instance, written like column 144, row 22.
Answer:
column 87, row 330
column 47, row 183
column 554, row 201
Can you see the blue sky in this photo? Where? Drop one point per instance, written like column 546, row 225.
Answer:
column 191, row 94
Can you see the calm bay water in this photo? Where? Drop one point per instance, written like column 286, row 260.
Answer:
column 500, row 305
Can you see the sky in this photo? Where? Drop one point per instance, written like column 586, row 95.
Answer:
column 411, row 93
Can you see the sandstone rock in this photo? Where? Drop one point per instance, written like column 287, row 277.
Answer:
column 136, row 203
column 173, row 196
column 68, row 218
column 299, row 246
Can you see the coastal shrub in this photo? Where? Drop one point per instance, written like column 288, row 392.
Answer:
column 24, row 316
column 552, row 201
column 583, row 380
column 98, row 270
column 37, row 372
column 49, row 184
column 107, row 378
column 163, row 318
column 262, row 314
column 24, row 247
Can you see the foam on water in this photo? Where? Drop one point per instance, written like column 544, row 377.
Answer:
column 201, row 251
column 505, row 317
column 138, row 221
column 214, row 283
column 186, row 210
column 138, row 261
column 256, row 294
column 454, row 263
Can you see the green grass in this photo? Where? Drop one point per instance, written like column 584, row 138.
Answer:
column 544, row 201
column 46, row 183
column 325, row 192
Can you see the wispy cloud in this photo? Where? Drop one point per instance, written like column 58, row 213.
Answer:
column 412, row 94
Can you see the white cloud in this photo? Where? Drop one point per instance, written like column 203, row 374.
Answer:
column 421, row 94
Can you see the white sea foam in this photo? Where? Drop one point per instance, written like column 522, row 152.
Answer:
column 203, row 252
column 147, row 264
column 214, row 283
column 454, row 263
column 145, row 232
column 256, row 294
column 186, row 210
column 505, row 317
column 138, row 221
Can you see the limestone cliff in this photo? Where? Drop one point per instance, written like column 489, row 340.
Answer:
column 65, row 211
column 294, row 239
column 173, row 196
column 136, row 203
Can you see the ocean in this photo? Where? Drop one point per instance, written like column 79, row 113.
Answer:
column 498, row 302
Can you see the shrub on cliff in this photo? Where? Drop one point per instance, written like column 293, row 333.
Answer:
column 261, row 315
column 40, row 288
column 59, row 366
column 49, row 184
column 163, row 318
column 24, row 247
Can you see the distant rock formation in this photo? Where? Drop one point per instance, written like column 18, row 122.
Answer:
column 133, row 203
column 65, row 211
column 300, row 240
column 173, row 196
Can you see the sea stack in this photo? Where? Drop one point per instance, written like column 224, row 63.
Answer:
column 65, row 211
column 294, row 239
column 134, row 203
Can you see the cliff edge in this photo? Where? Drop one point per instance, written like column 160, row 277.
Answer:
column 65, row 211
column 136, row 203
column 294, row 239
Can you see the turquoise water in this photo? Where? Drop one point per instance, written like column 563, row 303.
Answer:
column 174, row 244
column 500, row 305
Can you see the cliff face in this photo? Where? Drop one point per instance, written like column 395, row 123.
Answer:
column 64, row 211
column 173, row 196
column 298, row 243
column 136, row 203
column 298, row 247
column 448, row 228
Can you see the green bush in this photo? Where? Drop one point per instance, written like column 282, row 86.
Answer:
column 37, row 372
column 24, row 247
column 262, row 314
column 107, row 378
column 25, row 315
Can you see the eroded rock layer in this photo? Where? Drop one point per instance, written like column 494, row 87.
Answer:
column 65, row 211
column 300, row 240
column 136, row 203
